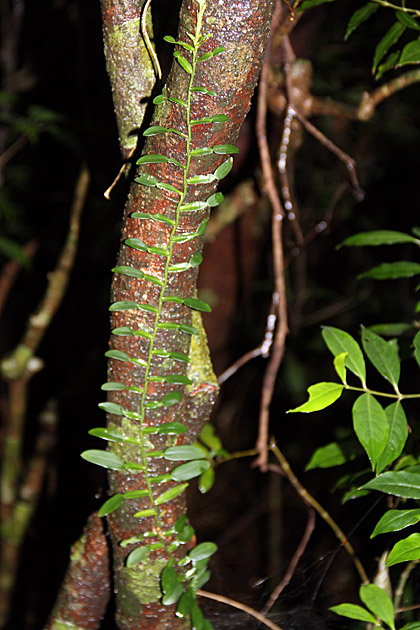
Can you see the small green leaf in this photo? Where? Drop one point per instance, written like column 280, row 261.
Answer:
column 197, row 618
column 378, row 237
column 123, row 305
column 172, row 428
column 146, row 179
column 209, row 438
column 225, row 149
column 184, row 63
column 218, row 50
column 203, row 550
column 191, row 469
column 207, row 55
column 185, row 605
column 400, row 483
column 215, row 200
column 113, row 408
column 177, row 379
column 154, row 130
column 407, row 20
column 378, row 602
column 326, row 457
column 219, row 118
column 196, row 259
column 308, row 4
column 179, row 267
column 339, row 341
column 152, row 158
column 410, row 53
column 161, row 98
column 183, row 453
column 383, row 356
column 122, row 331
column 170, row 39
column 170, row 494
column 206, row 481
column 189, row 330
column 136, row 243
column 159, row 251
column 146, row 512
column 179, row 356
column 107, row 434
column 321, row 395
column 117, row 354
column 371, row 426
column 128, row 271
column 171, row 587
column 390, row 62
column 104, row 459
column 113, row 387
column 389, row 39
column 137, row 556
column 178, row 101
column 202, row 179
column 201, row 151
column 392, row 271
column 112, row 504
column 168, row 188
column 416, row 344
column 340, row 366
column 171, row 399
column 405, row 550
column 194, row 206
column 224, row 169
column 359, row 16
column 197, row 305
column 394, row 520
column 135, row 494
column 352, row 611
column 398, row 433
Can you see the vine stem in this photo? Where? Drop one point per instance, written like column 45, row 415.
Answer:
column 366, row 390
column 235, row 604
column 309, row 499
column 279, row 294
column 385, row 3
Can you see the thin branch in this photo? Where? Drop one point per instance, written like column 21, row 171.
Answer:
column 310, row 526
column 370, row 101
column 11, row 269
column 12, row 150
column 405, row 574
column 309, row 499
column 279, row 295
column 234, row 604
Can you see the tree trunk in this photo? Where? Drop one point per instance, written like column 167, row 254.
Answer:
column 150, row 341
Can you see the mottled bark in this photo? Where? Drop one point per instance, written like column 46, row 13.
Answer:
column 242, row 27
column 84, row 594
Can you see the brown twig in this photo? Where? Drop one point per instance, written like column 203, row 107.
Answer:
column 234, row 604
column 300, row 549
column 11, row 269
column 310, row 500
column 12, row 150
column 279, row 295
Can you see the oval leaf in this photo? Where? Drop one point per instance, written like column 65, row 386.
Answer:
column 378, row 237
column 152, row 158
column 398, row 433
column 112, row 504
column 154, row 130
column 321, row 395
column 388, row 40
column 183, row 453
column 400, row 483
column 171, row 399
column 392, row 271
column 104, row 459
column 192, row 469
column 224, row 169
column 405, row 550
column 352, row 611
column 113, row 408
column 394, row 520
column 197, row 304
column 339, row 341
column 382, row 356
column 410, row 53
column 137, row 556
column 378, row 602
column 326, row 456
column 371, row 426
column 225, row 149
column 170, row 494
column 203, row 550
column 359, row 16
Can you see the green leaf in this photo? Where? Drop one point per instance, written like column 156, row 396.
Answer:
column 382, row 355
column 394, row 329
column 206, row 481
column 400, row 483
column 183, row 453
column 197, row 618
column 339, row 341
column 394, row 520
column 410, row 53
column 128, row 271
column 389, row 63
column 190, row 470
column 392, row 271
column 152, row 158
column 178, row 101
column 194, row 206
column 224, row 169
column 177, row 379
column 113, row 408
column 107, row 434
column 225, row 149
column 308, row 4
column 171, row 587
column 207, row 55
column 378, row 602
column 123, row 305
column 378, row 237
column 321, row 395
column 201, row 151
column 135, row 494
column 104, row 459
column 171, row 399
column 179, row 356
column 218, row 50
column 219, row 118
column 398, row 433
column 202, row 179
column 352, row 611
column 215, row 200
column 203, row 550
column 388, row 40
column 122, row 331
column 170, row 494
column 416, row 344
column 209, row 438
column 146, row 512
column 185, row 605
column 340, row 366
column 168, row 188
column 196, row 259
column 112, row 386
column 359, row 16
column 184, row 63
column 407, row 20
column 172, row 428
column 136, row 243
column 326, row 457
column 197, row 304
column 112, row 504
column 405, row 550
column 136, row 556
column 118, row 355
column 154, row 130
column 161, row 98
column 371, row 426
column 413, row 625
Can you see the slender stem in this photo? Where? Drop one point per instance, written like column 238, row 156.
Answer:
column 384, row 3
column 398, row 396
column 247, row 609
column 309, row 499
